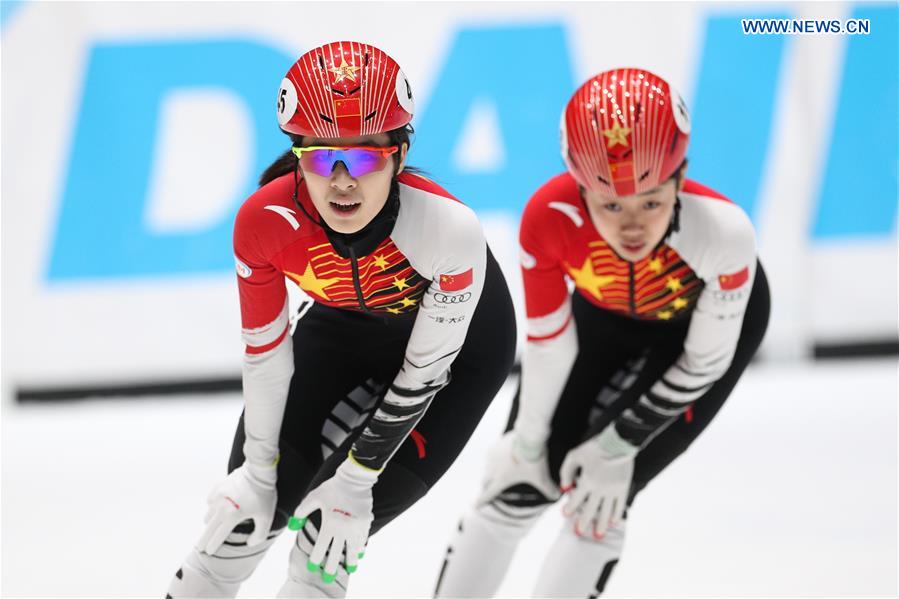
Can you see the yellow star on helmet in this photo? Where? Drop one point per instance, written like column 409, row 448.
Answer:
column 344, row 71
column 310, row 283
column 617, row 134
column 589, row 281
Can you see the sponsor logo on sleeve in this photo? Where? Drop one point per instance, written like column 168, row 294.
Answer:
column 456, row 282
column 243, row 270
column 287, row 213
column 527, row 260
column 448, row 319
column 734, row 280
column 459, row 298
column 569, row 210
column 729, row 296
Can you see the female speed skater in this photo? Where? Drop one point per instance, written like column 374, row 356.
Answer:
column 621, row 376
column 353, row 416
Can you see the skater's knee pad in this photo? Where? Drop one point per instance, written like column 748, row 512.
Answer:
column 512, row 513
column 234, row 561
column 193, row 581
column 219, row 574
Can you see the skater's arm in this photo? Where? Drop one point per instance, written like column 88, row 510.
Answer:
column 446, row 245
column 551, row 344
column 268, row 356
column 720, row 245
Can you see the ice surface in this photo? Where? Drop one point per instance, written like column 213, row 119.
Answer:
column 791, row 491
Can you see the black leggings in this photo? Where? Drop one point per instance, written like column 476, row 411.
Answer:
column 344, row 361
column 619, row 359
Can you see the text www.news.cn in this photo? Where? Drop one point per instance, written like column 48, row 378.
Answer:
column 805, row 26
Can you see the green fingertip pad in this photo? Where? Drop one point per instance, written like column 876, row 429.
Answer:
column 296, row 523
column 328, row 578
column 312, row 567
column 350, row 569
column 361, row 554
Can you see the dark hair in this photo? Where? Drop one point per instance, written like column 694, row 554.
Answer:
column 678, row 176
column 286, row 163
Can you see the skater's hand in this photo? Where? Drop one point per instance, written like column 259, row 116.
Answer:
column 597, row 477
column 247, row 494
column 345, row 502
column 513, row 462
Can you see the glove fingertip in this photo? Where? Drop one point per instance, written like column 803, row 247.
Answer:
column 577, row 528
column 566, row 477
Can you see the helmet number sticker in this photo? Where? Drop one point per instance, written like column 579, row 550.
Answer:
column 287, row 101
column 679, row 109
column 404, row 93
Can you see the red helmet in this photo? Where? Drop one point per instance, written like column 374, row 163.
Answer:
column 624, row 131
column 344, row 89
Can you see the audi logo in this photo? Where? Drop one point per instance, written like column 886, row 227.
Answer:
column 452, row 299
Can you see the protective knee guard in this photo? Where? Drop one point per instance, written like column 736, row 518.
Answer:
column 579, row 566
column 303, row 582
column 485, row 541
column 220, row 574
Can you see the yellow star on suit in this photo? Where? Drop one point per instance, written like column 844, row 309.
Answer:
column 408, row 302
column 309, row 282
column 673, row 283
column 589, row 281
column 381, row 262
column 655, row 265
column 679, row 303
column 400, row 284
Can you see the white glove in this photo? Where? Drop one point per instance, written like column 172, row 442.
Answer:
column 514, row 461
column 597, row 495
column 247, row 494
column 345, row 502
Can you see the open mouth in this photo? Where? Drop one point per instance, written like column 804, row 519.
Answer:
column 345, row 208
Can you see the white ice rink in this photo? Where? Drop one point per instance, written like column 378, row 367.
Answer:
column 790, row 492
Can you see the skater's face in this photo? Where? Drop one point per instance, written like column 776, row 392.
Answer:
column 634, row 225
column 346, row 199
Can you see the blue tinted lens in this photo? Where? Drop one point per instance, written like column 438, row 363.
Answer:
column 358, row 161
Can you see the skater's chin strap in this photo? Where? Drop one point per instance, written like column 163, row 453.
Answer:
column 296, row 199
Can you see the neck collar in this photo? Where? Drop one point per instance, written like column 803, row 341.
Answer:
column 365, row 240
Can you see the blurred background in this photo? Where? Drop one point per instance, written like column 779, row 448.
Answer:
column 131, row 133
